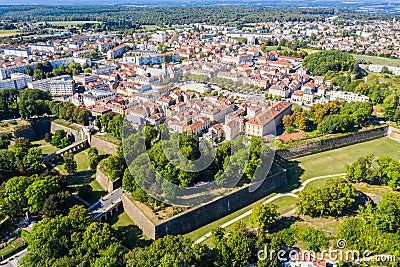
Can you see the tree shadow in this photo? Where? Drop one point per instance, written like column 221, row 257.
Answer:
column 284, row 223
column 82, row 177
column 131, row 236
column 361, row 200
column 293, row 172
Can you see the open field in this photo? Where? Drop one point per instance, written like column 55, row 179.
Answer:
column 333, row 161
column 84, row 180
column 196, row 234
column 275, row 48
column 319, row 183
column 7, row 33
column 69, row 23
column 46, row 148
column 379, row 60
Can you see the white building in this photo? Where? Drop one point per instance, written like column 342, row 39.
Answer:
column 17, row 81
column 16, row 52
column 346, row 96
column 58, row 86
column 93, row 96
column 43, row 47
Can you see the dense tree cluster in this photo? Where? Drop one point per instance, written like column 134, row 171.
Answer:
column 112, row 124
column 60, row 139
column 69, row 112
column 236, row 248
column 382, row 91
column 313, row 239
column 73, row 241
column 129, row 17
column 329, row 118
column 33, row 102
column 22, row 160
column 376, row 229
column 8, row 101
column 330, row 60
column 45, row 70
column 27, row 193
column 332, row 200
column 382, row 171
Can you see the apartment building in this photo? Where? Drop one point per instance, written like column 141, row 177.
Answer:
column 266, row 122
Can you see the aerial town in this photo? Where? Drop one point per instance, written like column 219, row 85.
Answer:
column 304, row 113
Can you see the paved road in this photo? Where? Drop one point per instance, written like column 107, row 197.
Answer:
column 106, row 203
column 13, row 260
column 291, row 194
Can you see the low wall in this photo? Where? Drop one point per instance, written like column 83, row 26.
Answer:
column 394, row 133
column 138, row 217
column 102, row 145
column 200, row 216
column 312, row 146
column 55, row 126
column 27, row 133
column 106, row 183
column 39, row 127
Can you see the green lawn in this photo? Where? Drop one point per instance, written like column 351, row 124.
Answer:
column 284, row 204
column 275, row 48
column 319, row 183
column 379, row 60
column 13, row 246
column 7, row 33
column 81, row 159
column 46, row 148
column 196, row 234
column 333, row 161
column 129, row 234
column 84, row 182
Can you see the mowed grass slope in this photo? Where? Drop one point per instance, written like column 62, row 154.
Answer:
column 333, row 161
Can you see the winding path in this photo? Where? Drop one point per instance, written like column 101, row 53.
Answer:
column 289, row 213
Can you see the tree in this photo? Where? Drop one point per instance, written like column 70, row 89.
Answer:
column 72, row 241
column 334, row 124
column 170, row 251
column 263, row 216
column 361, row 170
column 300, row 120
column 47, row 137
column 8, row 165
column 39, row 190
column 94, row 158
column 323, row 61
column 53, row 205
column 32, row 162
column 386, row 216
column 389, row 171
column 60, row 139
column 12, row 196
column 287, row 121
column 331, row 200
column 69, row 163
